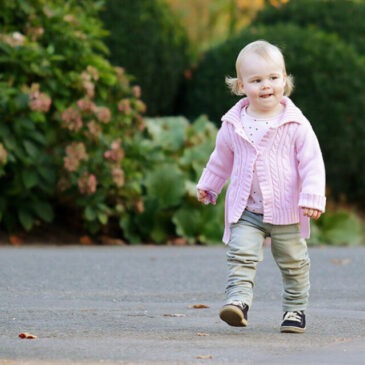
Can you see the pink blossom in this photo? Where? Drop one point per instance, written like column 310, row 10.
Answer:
column 3, row 155
column 86, row 105
column 116, row 152
column 87, row 184
column 15, row 39
column 34, row 33
column 77, row 150
column 71, row 164
column 63, row 184
column 75, row 153
column 71, row 119
column 94, row 128
column 93, row 72
column 38, row 101
column 89, row 88
column 103, row 114
column 139, row 206
column 124, row 105
column 136, row 90
column 118, row 176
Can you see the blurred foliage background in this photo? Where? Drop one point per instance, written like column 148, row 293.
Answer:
column 109, row 111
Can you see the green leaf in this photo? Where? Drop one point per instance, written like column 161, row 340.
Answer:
column 126, row 223
column 166, row 184
column 44, row 210
column 90, row 214
column 26, row 219
column 31, row 149
column 103, row 218
column 168, row 133
column 30, row 178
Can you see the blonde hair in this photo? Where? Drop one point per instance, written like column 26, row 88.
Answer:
column 269, row 52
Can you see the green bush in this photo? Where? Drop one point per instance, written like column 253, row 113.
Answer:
column 329, row 77
column 147, row 39
column 342, row 17
column 70, row 122
column 338, row 227
column 177, row 151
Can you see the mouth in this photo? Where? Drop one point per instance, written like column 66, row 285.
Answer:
column 265, row 96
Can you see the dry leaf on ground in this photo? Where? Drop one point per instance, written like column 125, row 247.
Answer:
column 26, row 335
column 199, row 306
column 340, row 261
column 174, row 315
column 15, row 240
column 86, row 240
column 204, row 357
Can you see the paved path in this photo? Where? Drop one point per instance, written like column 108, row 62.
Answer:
column 132, row 305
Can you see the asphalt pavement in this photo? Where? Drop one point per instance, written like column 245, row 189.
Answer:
column 160, row 304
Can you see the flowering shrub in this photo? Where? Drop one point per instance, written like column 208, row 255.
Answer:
column 101, row 161
column 69, row 122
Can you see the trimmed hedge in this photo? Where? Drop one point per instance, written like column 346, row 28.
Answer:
column 147, row 39
column 329, row 77
column 342, row 17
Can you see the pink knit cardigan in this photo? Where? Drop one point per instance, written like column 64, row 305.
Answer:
column 289, row 166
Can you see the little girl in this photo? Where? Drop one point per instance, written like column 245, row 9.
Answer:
column 268, row 150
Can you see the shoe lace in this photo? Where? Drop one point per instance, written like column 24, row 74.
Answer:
column 293, row 316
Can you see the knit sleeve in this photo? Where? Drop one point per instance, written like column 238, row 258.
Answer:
column 311, row 169
column 219, row 166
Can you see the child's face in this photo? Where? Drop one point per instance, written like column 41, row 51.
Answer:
column 263, row 82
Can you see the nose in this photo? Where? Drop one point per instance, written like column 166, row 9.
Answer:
column 265, row 83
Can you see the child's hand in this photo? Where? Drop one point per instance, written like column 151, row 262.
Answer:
column 206, row 197
column 311, row 213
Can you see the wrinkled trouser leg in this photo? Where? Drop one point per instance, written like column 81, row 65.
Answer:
column 245, row 251
column 291, row 255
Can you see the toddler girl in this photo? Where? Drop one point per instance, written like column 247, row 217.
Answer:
column 270, row 153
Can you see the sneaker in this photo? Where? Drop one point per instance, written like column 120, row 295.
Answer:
column 235, row 314
column 293, row 322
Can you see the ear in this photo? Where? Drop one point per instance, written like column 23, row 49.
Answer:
column 241, row 87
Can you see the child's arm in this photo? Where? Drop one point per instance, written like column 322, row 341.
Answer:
column 219, row 167
column 312, row 173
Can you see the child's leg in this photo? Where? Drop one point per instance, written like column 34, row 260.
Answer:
column 291, row 255
column 245, row 250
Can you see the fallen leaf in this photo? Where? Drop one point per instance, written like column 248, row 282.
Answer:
column 179, row 241
column 204, row 357
column 28, row 336
column 174, row 315
column 110, row 241
column 15, row 240
column 202, row 334
column 343, row 339
column 199, row 306
column 86, row 240
column 340, row 261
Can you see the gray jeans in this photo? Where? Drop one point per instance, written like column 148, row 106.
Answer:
column 245, row 251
